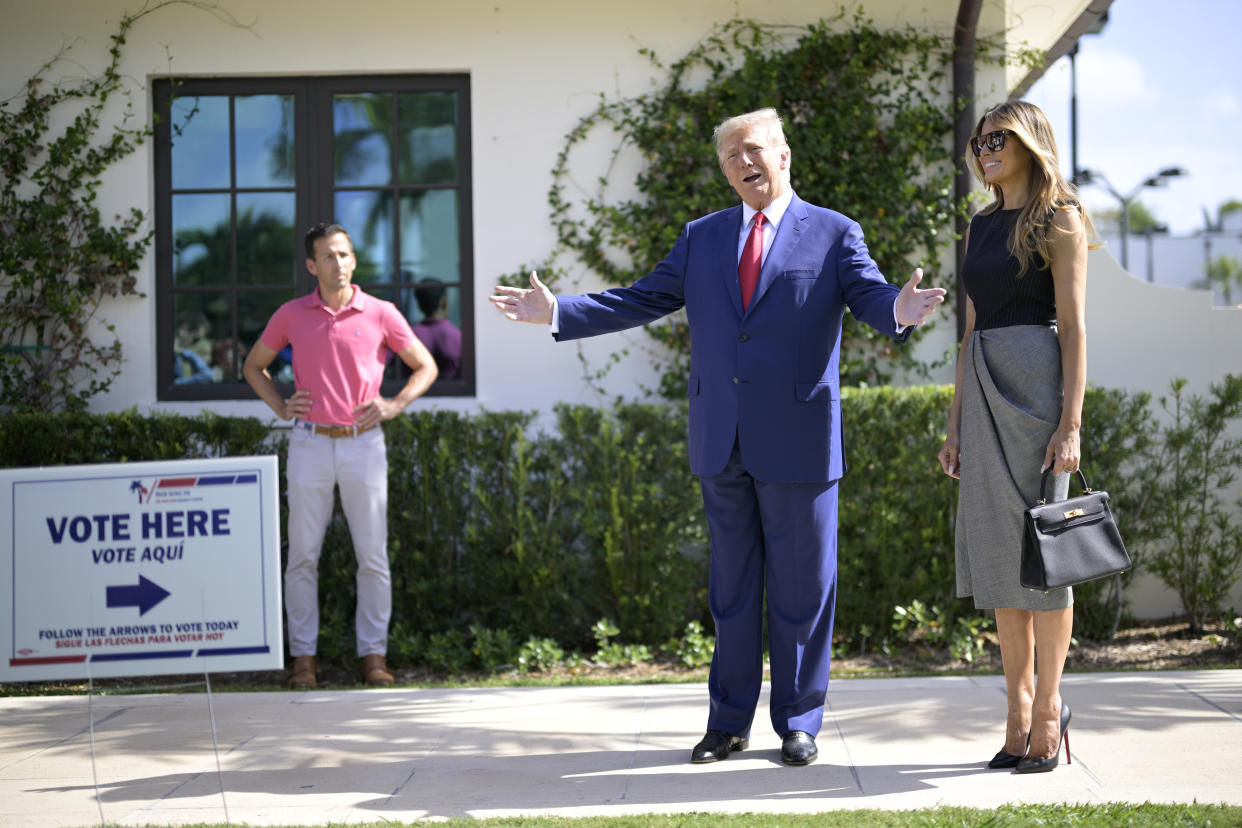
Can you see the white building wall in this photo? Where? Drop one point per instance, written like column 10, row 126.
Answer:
column 1177, row 261
column 536, row 68
column 1139, row 337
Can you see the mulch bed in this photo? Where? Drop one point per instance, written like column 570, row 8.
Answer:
column 1161, row 645
column 1164, row 645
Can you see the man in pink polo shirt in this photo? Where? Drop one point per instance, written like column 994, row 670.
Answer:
column 341, row 338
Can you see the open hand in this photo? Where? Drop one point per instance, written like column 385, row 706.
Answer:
column 914, row 305
column 532, row 304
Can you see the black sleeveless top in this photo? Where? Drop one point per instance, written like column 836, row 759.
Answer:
column 990, row 274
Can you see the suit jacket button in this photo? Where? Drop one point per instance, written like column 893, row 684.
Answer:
column 736, row 380
column 743, row 338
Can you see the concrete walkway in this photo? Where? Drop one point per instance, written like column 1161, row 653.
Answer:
column 373, row 755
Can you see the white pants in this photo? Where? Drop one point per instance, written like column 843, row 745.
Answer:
column 359, row 465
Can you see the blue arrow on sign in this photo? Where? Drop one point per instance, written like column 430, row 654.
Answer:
column 143, row 596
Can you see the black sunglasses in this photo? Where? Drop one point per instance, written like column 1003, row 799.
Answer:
column 994, row 141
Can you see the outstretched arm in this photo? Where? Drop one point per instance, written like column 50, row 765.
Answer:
column 533, row 304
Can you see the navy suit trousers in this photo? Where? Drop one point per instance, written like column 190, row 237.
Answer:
column 784, row 535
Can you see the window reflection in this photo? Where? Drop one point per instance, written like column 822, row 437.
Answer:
column 192, row 347
column 230, row 247
column 428, row 127
column 434, row 311
column 266, row 240
column 202, row 321
column 429, row 233
column 368, row 217
column 200, row 157
column 202, row 241
column 362, row 127
column 264, row 136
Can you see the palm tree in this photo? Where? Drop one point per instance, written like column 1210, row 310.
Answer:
column 1223, row 274
column 1226, row 208
column 376, row 130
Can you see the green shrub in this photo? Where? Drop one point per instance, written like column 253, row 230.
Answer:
column 895, row 509
column 539, row 655
column 898, row 509
column 639, row 512
column 693, row 649
column 447, row 652
column 1116, row 440
column 1195, row 542
column 518, row 535
column 44, row 439
column 929, row 627
column 614, row 654
column 405, row 646
column 493, row 649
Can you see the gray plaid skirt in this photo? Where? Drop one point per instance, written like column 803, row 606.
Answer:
column 1011, row 404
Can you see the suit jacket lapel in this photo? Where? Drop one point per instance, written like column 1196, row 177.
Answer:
column 788, row 234
column 728, row 231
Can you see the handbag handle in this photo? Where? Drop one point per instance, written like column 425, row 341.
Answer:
column 1043, row 484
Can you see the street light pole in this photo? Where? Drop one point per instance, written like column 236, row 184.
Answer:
column 1151, row 250
column 1073, row 67
column 1160, row 179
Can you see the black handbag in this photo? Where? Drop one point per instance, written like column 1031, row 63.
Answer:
column 1071, row 541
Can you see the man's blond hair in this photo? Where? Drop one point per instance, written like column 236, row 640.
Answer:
column 767, row 116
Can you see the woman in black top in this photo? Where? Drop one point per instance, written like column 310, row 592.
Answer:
column 1017, row 408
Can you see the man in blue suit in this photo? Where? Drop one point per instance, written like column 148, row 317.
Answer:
column 765, row 286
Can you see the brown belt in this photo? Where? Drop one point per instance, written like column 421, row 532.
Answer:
column 335, row 431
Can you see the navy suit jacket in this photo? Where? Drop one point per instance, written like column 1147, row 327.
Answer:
column 767, row 376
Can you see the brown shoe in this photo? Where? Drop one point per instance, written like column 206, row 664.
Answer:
column 303, row 675
column 375, row 671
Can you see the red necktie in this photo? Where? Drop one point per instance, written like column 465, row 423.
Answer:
column 752, row 259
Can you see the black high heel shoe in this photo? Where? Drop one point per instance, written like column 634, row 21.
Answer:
column 1007, row 760
column 1028, row 765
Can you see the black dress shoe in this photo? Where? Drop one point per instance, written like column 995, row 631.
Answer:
column 798, row 748
column 717, row 745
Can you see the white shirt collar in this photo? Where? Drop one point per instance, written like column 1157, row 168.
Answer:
column 772, row 213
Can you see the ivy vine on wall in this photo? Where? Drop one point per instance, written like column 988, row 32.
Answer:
column 869, row 122
column 60, row 259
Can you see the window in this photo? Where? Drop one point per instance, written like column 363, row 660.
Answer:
column 244, row 166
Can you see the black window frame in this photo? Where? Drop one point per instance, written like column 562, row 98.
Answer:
column 314, row 189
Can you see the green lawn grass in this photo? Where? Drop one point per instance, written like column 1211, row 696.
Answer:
column 1108, row 815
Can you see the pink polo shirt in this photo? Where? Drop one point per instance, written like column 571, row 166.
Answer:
column 338, row 357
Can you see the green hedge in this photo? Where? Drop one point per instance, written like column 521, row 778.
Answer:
column 898, row 509
column 495, row 526
column 514, row 531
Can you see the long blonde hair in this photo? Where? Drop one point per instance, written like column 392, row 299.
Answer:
column 1049, row 191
